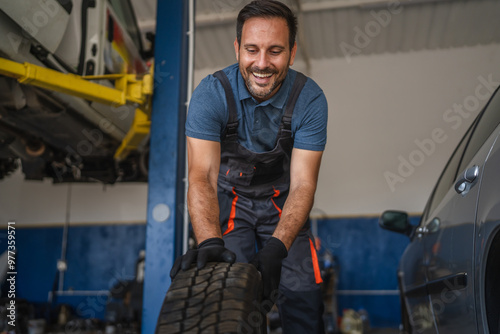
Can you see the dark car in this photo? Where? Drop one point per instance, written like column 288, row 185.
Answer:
column 449, row 275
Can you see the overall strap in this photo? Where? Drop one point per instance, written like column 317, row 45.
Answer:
column 298, row 84
column 232, row 122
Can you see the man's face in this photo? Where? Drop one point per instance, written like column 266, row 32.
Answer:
column 264, row 55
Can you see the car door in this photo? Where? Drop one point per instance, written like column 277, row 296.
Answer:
column 412, row 280
column 449, row 232
column 487, row 240
column 415, row 260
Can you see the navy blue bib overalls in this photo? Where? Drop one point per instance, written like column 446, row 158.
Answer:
column 252, row 189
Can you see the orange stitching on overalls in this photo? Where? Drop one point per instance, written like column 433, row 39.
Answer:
column 317, row 272
column 232, row 214
column 276, row 194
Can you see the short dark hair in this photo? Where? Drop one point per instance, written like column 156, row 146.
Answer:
column 267, row 9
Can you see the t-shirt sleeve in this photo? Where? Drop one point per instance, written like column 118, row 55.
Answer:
column 207, row 115
column 311, row 126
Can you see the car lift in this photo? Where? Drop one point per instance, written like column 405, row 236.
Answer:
column 167, row 158
column 128, row 89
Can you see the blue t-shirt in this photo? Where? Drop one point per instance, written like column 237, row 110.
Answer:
column 258, row 122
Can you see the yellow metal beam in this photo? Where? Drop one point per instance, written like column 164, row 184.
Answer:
column 136, row 134
column 65, row 83
column 128, row 89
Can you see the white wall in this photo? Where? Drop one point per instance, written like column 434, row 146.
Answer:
column 378, row 107
column 43, row 203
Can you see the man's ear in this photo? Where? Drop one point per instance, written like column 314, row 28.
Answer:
column 237, row 49
column 292, row 54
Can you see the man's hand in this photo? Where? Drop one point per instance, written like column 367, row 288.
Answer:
column 269, row 261
column 210, row 250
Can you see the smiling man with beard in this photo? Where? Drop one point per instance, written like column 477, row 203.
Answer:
column 256, row 132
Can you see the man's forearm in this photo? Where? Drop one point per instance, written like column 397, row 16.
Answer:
column 204, row 211
column 295, row 213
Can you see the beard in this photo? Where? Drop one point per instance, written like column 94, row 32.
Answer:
column 263, row 92
column 257, row 90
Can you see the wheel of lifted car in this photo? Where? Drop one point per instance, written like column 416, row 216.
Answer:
column 220, row 298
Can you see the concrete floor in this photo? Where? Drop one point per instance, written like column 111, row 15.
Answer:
column 372, row 331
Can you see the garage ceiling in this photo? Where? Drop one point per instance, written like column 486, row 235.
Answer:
column 346, row 28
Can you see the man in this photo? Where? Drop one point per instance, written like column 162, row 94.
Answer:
column 256, row 132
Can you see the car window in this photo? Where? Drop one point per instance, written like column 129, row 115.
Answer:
column 448, row 175
column 125, row 13
column 488, row 121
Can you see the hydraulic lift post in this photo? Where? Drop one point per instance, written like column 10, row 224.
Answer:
column 167, row 156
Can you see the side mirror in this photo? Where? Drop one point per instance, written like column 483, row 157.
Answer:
column 396, row 221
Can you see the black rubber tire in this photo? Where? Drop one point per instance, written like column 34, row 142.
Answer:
column 492, row 289
column 220, row 298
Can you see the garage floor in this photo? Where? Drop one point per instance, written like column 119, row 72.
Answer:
column 372, row 331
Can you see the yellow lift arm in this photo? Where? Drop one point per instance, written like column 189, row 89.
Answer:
column 128, row 89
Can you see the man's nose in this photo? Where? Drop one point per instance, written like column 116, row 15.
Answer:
column 262, row 61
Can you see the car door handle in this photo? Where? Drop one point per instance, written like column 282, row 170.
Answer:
column 463, row 185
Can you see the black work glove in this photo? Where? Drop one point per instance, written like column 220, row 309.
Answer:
column 269, row 261
column 210, row 250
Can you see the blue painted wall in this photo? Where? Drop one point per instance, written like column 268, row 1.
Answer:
column 100, row 256
column 97, row 258
column 367, row 257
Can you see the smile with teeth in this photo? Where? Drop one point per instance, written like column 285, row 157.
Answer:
column 261, row 75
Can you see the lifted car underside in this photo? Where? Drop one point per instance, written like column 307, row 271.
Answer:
column 50, row 139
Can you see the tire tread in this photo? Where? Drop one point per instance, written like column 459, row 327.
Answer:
column 219, row 298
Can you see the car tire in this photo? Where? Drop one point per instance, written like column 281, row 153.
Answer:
column 492, row 289
column 220, row 298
